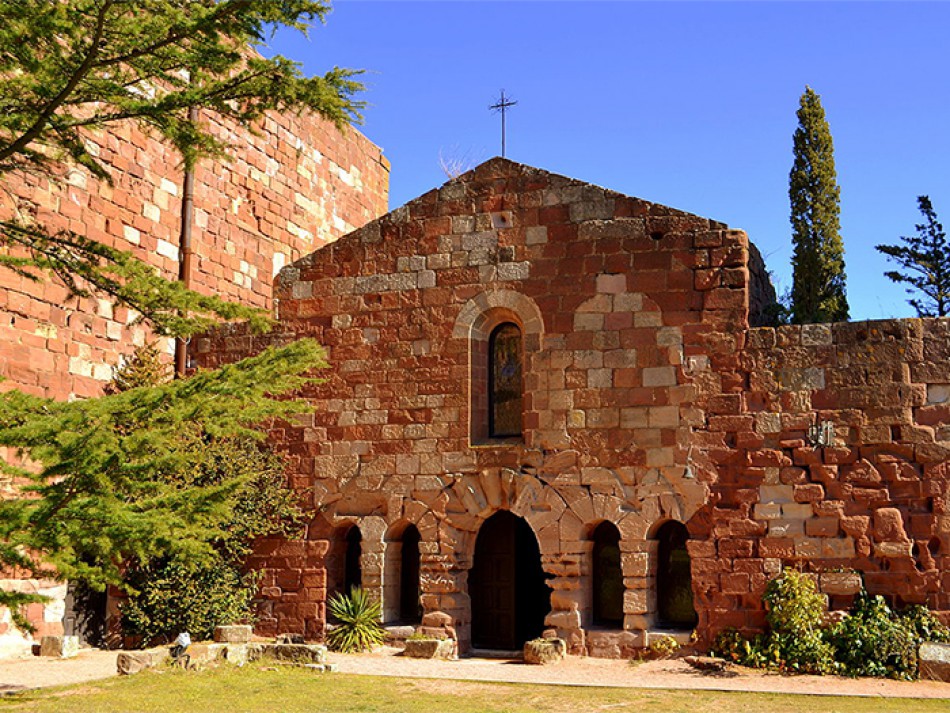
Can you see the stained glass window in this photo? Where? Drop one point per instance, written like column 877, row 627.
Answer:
column 505, row 381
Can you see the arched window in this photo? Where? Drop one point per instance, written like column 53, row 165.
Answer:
column 409, row 609
column 505, row 386
column 352, row 570
column 674, row 587
column 607, row 576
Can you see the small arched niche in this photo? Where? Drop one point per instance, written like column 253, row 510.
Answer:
column 352, row 568
column 674, row 586
column 401, row 577
column 503, row 329
column 606, row 577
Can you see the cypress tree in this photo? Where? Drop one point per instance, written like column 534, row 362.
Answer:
column 818, row 281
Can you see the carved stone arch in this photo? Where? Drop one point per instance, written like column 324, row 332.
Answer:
column 481, row 313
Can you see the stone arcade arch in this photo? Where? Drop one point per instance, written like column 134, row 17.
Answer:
column 674, row 590
column 401, row 575
column 506, row 584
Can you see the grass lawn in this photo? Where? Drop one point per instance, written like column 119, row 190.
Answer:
column 287, row 690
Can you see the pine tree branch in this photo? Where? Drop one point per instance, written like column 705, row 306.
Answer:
column 51, row 107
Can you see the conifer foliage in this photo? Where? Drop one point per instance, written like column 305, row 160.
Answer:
column 924, row 261
column 138, row 476
column 125, row 479
column 175, row 593
column 818, row 280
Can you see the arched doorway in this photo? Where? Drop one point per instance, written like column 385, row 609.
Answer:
column 674, row 586
column 607, row 577
column 506, row 584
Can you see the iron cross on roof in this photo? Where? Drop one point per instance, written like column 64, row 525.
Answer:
column 501, row 105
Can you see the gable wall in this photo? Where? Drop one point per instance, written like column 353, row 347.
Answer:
column 617, row 299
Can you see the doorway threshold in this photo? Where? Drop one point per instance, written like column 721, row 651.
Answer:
column 495, row 654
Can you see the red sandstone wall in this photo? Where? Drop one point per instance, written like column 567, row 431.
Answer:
column 875, row 503
column 292, row 188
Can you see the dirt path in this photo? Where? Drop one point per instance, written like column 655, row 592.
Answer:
column 675, row 674
column 41, row 672
column 38, row 672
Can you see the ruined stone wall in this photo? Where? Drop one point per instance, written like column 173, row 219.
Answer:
column 293, row 186
column 874, row 504
column 619, row 301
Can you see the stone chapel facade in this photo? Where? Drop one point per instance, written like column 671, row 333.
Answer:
column 546, row 409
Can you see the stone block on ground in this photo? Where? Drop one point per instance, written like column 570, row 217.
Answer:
column 289, row 639
column 430, row 648
column 397, row 635
column 236, row 654
column 232, row 634
column 544, row 651
column 296, row 653
column 934, row 661
column 129, row 662
column 63, row 647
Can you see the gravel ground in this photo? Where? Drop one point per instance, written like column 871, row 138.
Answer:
column 578, row 671
column 40, row 672
column 90, row 665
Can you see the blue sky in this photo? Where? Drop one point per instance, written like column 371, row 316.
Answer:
column 690, row 104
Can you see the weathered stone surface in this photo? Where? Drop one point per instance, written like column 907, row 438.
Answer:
column 646, row 398
column 839, row 582
column 298, row 653
column 934, row 661
column 130, row 662
column 233, row 634
column 64, row 647
column 430, row 648
column 544, row 651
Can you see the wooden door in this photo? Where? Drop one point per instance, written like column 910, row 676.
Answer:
column 491, row 584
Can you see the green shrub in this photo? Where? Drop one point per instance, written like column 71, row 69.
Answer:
column 173, row 596
column 795, row 612
column 871, row 641
column 875, row 641
column 358, row 629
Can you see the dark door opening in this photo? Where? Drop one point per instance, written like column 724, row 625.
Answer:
column 410, row 611
column 85, row 614
column 507, row 585
column 607, row 577
column 352, row 569
column 674, row 585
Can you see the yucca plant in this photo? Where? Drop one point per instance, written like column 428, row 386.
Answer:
column 358, row 629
